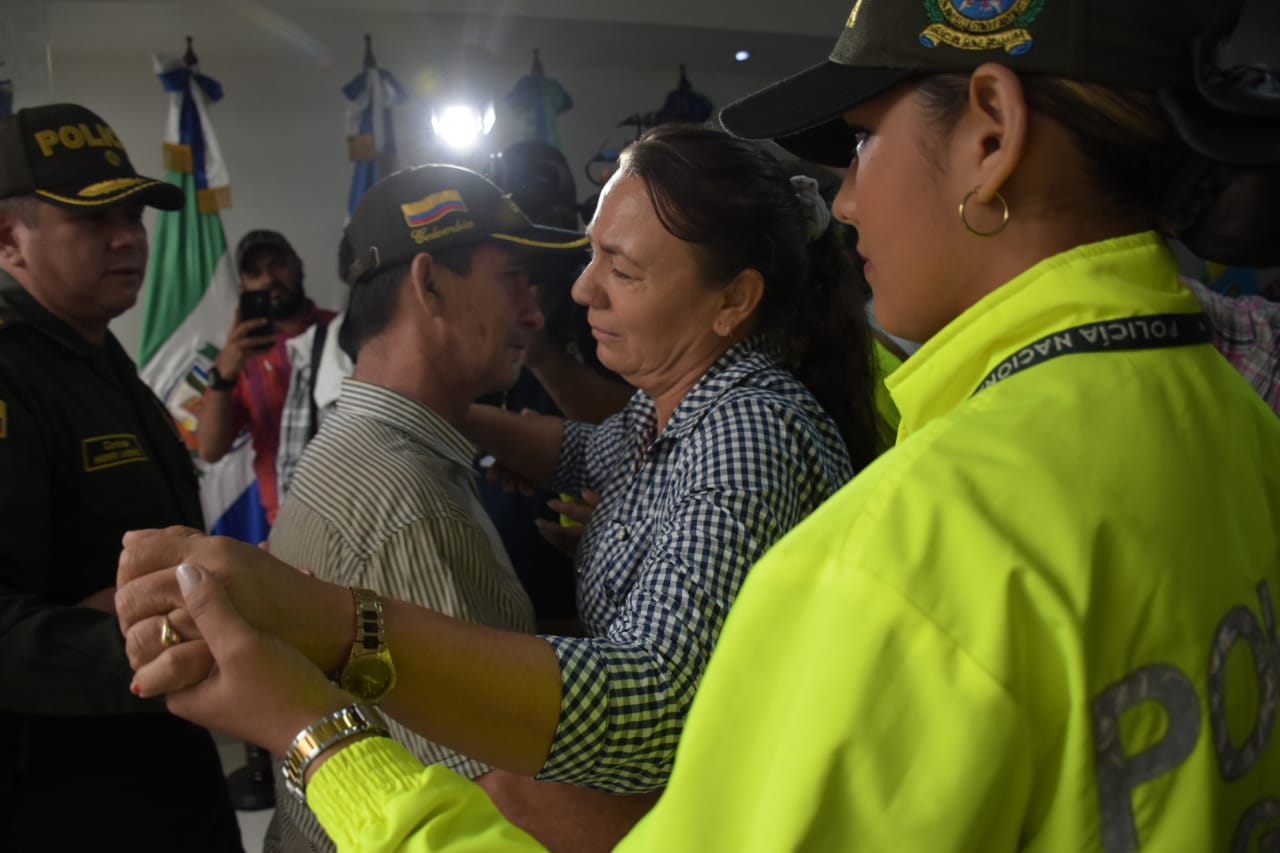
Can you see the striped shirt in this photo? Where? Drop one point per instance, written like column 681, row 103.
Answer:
column 385, row 497
column 683, row 515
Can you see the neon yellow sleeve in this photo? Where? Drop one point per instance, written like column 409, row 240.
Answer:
column 375, row 796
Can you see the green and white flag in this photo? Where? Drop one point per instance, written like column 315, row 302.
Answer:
column 191, row 293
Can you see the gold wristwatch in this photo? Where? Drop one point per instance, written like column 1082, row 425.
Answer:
column 369, row 674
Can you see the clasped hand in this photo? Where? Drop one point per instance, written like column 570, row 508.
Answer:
column 249, row 663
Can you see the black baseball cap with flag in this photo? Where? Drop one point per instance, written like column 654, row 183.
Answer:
column 433, row 207
column 68, row 156
column 1149, row 45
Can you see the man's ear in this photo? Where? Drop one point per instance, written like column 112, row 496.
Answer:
column 739, row 299
column 422, row 270
column 10, row 246
column 993, row 130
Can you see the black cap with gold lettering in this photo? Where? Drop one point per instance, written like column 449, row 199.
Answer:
column 68, row 156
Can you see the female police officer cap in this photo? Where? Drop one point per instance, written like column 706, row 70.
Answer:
column 1159, row 46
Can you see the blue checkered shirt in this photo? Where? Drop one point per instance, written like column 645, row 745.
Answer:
column 683, row 515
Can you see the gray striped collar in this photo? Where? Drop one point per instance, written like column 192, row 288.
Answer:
column 365, row 400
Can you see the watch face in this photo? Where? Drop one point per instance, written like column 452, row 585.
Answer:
column 368, row 677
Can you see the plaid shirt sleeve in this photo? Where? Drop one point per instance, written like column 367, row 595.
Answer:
column 1247, row 331
column 670, row 548
column 295, row 420
column 571, row 469
column 589, row 452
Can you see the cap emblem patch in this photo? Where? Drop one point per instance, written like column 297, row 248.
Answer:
column 432, row 208
column 981, row 24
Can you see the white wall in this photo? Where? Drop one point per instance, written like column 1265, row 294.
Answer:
column 281, row 128
column 281, row 125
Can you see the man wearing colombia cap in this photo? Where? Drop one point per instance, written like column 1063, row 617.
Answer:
column 384, row 499
column 86, row 453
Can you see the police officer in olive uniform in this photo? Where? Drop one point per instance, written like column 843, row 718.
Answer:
column 87, row 452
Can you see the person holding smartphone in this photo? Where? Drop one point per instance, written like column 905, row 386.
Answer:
column 250, row 378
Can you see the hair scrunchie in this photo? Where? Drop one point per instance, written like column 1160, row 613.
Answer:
column 817, row 216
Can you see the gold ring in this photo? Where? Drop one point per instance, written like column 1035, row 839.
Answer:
column 168, row 636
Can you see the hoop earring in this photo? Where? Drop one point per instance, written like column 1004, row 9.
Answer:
column 1004, row 217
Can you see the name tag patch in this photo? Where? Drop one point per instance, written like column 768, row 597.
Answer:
column 108, row 451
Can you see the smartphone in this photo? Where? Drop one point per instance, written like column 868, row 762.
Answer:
column 256, row 304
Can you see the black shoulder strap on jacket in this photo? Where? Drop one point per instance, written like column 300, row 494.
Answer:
column 1145, row 331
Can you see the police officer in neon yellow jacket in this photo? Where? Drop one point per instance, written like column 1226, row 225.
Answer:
column 1046, row 620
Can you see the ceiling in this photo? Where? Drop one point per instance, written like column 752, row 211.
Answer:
column 571, row 33
column 640, row 34
column 812, row 17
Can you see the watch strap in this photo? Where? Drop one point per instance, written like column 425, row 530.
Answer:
column 370, row 646
column 324, row 734
column 371, row 634
column 218, row 382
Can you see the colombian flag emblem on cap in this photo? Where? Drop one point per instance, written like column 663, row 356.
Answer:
column 432, row 208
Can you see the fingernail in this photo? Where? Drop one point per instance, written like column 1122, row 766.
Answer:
column 189, row 577
column 137, row 691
